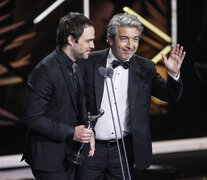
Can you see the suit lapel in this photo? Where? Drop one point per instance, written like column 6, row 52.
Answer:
column 135, row 71
column 63, row 63
column 69, row 83
column 99, row 80
column 79, row 76
column 99, row 85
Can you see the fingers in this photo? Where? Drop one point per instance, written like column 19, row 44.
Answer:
column 85, row 135
column 164, row 57
column 172, row 52
column 91, row 152
column 82, row 134
column 179, row 51
column 85, row 139
column 173, row 48
column 92, row 146
column 183, row 55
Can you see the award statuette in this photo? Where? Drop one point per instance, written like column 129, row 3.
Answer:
column 77, row 157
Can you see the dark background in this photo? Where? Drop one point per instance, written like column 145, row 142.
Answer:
column 185, row 119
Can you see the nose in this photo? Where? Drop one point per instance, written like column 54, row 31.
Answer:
column 92, row 45
column 130, row 44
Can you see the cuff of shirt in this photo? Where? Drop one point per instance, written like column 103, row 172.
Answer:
column 174, row 77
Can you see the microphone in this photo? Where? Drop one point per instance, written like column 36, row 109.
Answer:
column 106, row 72
column 102, row 71
column 109, row 72
column 101, row 112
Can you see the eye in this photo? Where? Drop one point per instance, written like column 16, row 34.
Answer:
column 123, row 38
column 136, row 39
column 89, row 40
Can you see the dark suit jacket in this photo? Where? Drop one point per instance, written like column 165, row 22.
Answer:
column 144, row 81
column 51, row 113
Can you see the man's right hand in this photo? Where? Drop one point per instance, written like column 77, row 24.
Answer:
column 82, row 134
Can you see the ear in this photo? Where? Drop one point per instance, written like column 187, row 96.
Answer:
column 110, row 40
column 71, row 40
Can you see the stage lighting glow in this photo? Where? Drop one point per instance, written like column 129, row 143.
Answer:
column 149, row 25
column 158, row 57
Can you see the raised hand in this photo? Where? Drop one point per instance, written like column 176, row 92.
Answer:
column 174, row 62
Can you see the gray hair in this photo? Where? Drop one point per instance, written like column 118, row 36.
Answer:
column 123, row 19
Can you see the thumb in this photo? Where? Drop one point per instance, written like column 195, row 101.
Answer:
column 164, row 58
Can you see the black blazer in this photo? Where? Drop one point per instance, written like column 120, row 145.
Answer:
column 144, row 81
column 51, row 113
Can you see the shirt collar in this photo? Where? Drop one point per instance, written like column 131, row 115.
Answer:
column 64, row 57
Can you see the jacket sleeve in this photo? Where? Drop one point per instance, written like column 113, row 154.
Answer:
column 170, row 90
column 40, row 91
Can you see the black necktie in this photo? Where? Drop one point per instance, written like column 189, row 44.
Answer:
column 124, row 64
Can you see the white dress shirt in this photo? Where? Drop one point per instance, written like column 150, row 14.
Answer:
column 104, row 127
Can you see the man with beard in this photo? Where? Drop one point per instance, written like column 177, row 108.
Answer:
column 55, row 111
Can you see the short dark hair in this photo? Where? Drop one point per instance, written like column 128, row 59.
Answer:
column 71, row 24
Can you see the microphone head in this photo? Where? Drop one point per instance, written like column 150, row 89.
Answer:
column 102, row 71
column 109, row 72
column 101, row 112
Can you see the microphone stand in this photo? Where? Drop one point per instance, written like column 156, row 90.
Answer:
column 117, row 142
column 109, row 71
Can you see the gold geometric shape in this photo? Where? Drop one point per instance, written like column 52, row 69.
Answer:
column 158, row 57
column 149, row 25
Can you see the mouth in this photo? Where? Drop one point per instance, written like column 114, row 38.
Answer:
column 128, row 51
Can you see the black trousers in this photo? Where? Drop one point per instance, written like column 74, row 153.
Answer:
column 64, row 175
column 105, row 164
